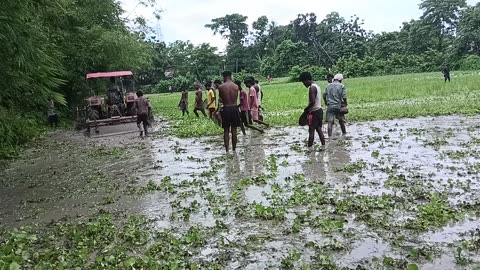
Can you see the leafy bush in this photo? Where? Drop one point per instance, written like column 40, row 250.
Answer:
column 318, row 73
column 179, row 83
column 242, row 75
column 16, row 129
column 353, row 66
column 471, row 62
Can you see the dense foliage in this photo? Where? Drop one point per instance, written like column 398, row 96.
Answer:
column 447, row 32
column 47, row 48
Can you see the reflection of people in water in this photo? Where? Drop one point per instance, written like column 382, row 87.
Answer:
column 321, row 165
column 254, row 157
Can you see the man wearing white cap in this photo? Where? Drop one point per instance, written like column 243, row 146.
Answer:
column 335, row 97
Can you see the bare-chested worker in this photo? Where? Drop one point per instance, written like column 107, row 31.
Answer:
column 199, row 104
column 228, row 93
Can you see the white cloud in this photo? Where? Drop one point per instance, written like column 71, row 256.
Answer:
column 185, row 19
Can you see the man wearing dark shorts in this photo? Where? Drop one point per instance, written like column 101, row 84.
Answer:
column 228, row 92
column 142, row 106
column 199, row 105
column 336, row 96
column 314, row 108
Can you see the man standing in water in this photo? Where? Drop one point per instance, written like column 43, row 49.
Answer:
column 314, row 108
column 446, row 72
column 183, row 104
column 199, row 105
column 245, row 109
column 335, row 98
column 142, row 105
column 228, row 93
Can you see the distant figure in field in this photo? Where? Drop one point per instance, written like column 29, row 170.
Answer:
column 253, row 102
column 269, row 79
column 245, row 109
column 199, row 105
column 211, row 99
column 314, row 108
column 446, row 72
column 228, row 93
column 183, row 104
column 336, row 97
column 142, row 106
column 52, row 114
column 170, row 89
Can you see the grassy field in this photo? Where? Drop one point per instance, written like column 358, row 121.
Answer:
column 372, row 98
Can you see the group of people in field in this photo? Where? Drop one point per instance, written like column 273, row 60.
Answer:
column 249, row 107
column 239, row 107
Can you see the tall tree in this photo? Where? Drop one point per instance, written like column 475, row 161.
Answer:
column 232, row 27
column 469, row 31
column 289, row 54
column 443, row 15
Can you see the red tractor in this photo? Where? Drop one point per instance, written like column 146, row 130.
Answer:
column 116, row 107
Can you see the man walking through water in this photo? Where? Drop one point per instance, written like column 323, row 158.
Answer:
column 142, row 105
column 199, row 105
column 446, row 72
column 336, row 97
column 183, row 104
column 228, row 93
column 314, row 108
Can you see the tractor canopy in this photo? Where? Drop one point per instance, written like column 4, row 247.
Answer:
column 109, row 74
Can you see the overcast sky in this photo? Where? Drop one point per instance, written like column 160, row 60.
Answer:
column 185, row 19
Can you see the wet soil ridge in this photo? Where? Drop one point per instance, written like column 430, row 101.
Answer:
column 399, row 194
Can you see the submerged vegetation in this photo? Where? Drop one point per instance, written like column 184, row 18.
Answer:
column 265, row 207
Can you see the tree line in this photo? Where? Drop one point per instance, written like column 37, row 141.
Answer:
column 448, row 32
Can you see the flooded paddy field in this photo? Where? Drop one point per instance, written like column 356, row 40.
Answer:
column 397, row 194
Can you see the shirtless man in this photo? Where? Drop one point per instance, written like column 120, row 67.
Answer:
column 183, row 104
column 142, row 105
column 199, row 105
column 228, row 93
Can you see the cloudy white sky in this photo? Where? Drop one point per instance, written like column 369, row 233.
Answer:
column 185, row 19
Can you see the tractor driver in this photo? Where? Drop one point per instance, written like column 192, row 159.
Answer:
column 114, row 99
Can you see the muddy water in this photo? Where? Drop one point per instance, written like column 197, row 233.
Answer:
column 70, row 176
column 67, row 175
